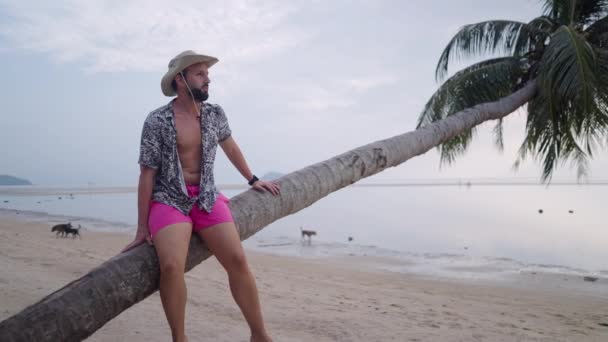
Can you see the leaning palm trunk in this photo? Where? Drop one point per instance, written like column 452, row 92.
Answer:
column 80, row 308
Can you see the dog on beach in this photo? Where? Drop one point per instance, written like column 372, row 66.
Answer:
column 65, row 229
column 73, row 231
column 307, row 233
column 61, row 228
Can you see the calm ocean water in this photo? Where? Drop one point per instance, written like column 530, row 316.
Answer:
column 465, row 230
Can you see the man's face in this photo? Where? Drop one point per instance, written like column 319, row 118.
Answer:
column 197, row 78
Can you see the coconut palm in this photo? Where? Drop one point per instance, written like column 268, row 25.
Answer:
column 556, row 64
column 563, row 52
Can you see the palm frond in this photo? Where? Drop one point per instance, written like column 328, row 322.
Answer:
column 597, row 33
column 567, row 72
column 486, row 81
column 549, row 138
column 557, row 10
column 575, row 12
column 596, row 125
column 481, row 39
column 481, row 82
column 499, row 136
column 450, row 150
column 568, row 119
column 589, row 11
column 544, row 23
column 538, row 30
column 602, row 78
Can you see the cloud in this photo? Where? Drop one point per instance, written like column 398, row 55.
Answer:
column 364, row 84
column 141, row 35
column 335, row 94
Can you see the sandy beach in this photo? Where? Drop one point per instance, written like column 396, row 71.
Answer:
column 328, row 299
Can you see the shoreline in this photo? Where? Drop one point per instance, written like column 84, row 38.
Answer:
column 374, row 258
column 305, row 299
column 45, row 190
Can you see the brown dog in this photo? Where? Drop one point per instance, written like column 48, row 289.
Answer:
column 61, row 229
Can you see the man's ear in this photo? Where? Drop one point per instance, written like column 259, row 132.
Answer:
column 177, row 78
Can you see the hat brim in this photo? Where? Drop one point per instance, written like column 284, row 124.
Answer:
column 183, row 63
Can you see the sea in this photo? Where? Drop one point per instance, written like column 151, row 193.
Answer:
column 455, row 230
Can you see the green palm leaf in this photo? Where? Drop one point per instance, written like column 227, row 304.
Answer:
column 567, row 73
column 482, row 82
column 538, row 30
column 485, row 38
column 550, row 139
column 565, row 51
column 568, row 117
column 597, row 33
column 570, row 12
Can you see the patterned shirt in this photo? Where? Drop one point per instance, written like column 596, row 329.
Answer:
column 158, row 150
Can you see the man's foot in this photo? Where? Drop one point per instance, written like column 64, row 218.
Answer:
column 184, row 339
column 260, row 338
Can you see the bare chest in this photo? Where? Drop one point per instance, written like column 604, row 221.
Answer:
column 188, row 134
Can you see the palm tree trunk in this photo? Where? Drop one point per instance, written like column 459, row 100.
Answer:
column 80, row 308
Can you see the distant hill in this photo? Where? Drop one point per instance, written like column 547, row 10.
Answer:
column 272, row 175
column 10, row 180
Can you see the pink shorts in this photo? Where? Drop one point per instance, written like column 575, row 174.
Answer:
column 162, row 215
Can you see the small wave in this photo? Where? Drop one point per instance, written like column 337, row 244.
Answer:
column 87, row 223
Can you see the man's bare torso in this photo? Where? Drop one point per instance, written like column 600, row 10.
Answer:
column 189, row 146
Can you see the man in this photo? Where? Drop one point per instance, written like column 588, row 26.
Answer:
column 177, row 194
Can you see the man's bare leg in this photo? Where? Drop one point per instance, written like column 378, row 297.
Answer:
column 171, row 244
column 224, row 242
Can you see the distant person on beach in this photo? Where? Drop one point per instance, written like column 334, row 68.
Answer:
column 177, row 194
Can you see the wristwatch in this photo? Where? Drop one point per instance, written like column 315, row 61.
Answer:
column 253, row 180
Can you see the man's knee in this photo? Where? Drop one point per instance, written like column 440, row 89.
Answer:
column 236, row 262
column 171, row 267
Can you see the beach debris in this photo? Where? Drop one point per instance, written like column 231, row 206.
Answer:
column 350, row 238
column 603, row 324
column 59, row 197
column 590, row 278
column 466, row 247
column 571, row 211
column 540, row 211
column 5, row 201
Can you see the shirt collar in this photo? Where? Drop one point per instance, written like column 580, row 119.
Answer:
column 168, row 114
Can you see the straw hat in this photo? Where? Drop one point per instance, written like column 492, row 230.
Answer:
column 178, row 64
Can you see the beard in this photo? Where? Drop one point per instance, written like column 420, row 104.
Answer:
column 199, row 95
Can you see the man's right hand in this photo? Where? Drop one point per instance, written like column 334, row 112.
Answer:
column 139, row 239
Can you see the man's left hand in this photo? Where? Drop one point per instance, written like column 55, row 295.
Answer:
column 271, row 187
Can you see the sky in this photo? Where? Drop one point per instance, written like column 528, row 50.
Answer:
column 300, row 81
